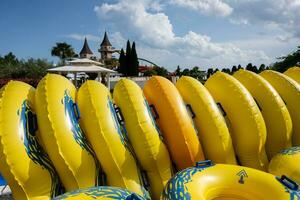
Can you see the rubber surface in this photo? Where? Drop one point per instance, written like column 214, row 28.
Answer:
column 144, row 135
column 26, row 167
column 294, row 73
column 177, row 127
column 275, row 113
column 100, row 123
column 247, row 126
column 289, row 91
column 213, row 132
column 103, row 193
column 61, row 135
column 208, row 181
column 286, row 162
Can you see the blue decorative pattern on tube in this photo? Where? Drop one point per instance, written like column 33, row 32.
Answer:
column 105, row 192
column 34, row 150
column 79, row 136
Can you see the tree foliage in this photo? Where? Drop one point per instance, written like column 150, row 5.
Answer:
column 128, row 62
column 12, row 67
column 288, row 61
column 64, row 51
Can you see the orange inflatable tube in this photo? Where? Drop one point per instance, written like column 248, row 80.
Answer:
column 174, row 121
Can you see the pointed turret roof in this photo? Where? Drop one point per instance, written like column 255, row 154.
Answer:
column 105, row 41
column 85, row 49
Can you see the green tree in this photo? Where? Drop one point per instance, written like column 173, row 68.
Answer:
column 185, row 72
column 288, row 61
column 128, row 59
column 262, row 68
column 249, row 67
column 195, row 72
column 240, row 67
column 151, row 72
column 210, row 71
column 161, row 71
column 63, row 50
column 134, row 67
column 178, row 71
column 234, row 69
column 122, row 62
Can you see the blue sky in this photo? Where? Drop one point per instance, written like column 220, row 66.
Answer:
column 168, row 32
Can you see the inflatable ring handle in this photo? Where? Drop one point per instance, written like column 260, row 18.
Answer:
column 120, row 116
column 204, row 164
column 191, row 110
column 289, row 183
column 76, row 111
column 32, row 123
column 222, row 109
column 156, row 116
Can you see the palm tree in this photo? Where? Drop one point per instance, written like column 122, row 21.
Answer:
column 63, row 51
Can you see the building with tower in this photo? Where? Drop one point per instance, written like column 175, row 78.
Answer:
column 86, row 52
column 106, row 50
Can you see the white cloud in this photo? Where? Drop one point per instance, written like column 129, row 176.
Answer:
column 282, row 15
column 207, row 7
column 81, row 37
column 156, row 39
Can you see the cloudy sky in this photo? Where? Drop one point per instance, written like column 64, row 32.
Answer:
column 188, row 33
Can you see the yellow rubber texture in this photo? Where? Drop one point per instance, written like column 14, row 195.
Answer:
column 97, row 193
column 27, row 179
column 247, row 126
column 99, row 122
column 213, row 132
column 230, row 182
column 74, row 164
column 275, row 113
column 286, row 162
column 144, row 135
column 294, row 73
column 174, row 122
column 289, row 90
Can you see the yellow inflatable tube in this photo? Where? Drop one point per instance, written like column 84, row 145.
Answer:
column 213, row 132
column 208, row 181
column 24, row 164
column 99, row 122
column 143, row 135
column 294, row 73
column 174, row 122
column 289, row 91
column 247, row 126
column 61, row 135
column 273, row 109
column 100, row 193
column 286, row 162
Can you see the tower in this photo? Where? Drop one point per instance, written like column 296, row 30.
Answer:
column 106, row 50
column 86, row 51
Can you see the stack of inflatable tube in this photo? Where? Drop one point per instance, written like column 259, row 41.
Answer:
column 23, row 163
column 248, row 130
column 209, row 181
column 61, row 135
column 212, row 129
column 101, row 126
column 103, row 193
column 294, row 73
column 286, row 162
column 289, row 91
column 143, row 135
column 275, row 113
column 174, row 122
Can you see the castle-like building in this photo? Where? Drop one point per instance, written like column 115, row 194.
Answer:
column 106, row 50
